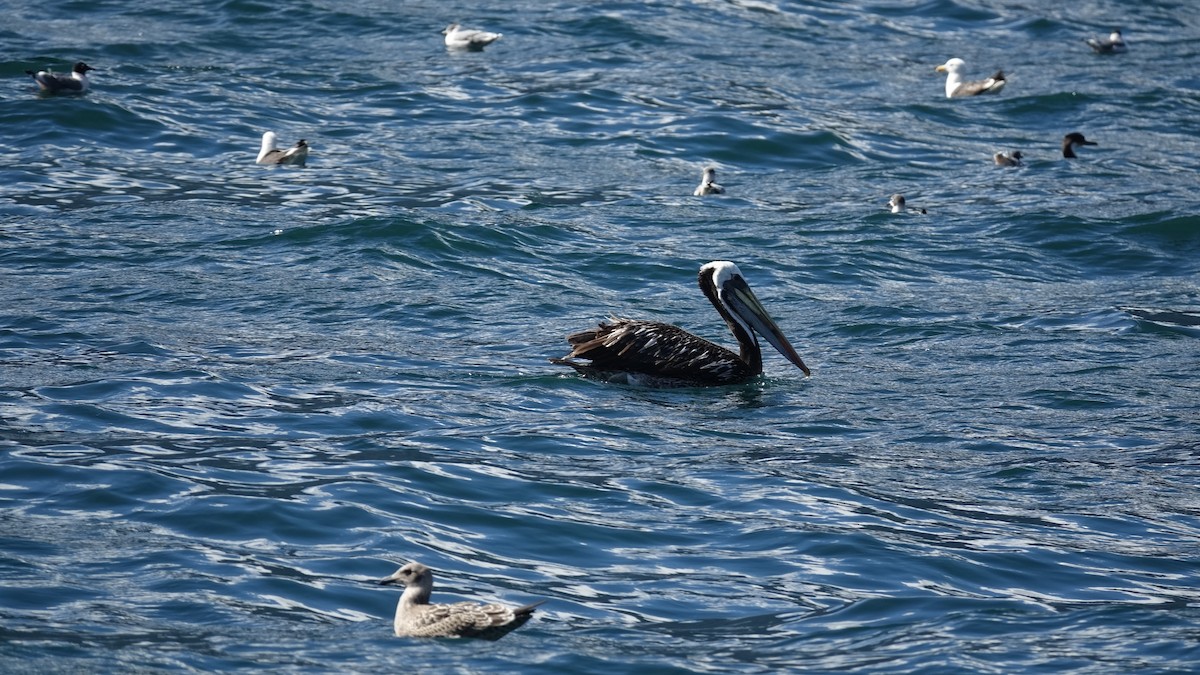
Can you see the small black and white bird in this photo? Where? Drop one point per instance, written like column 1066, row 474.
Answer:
column 1113, row 44
column 1008, row 158
column 470, row 39
column 416, row 617
column 897, row 204
column 708, row 184
column 52, row 83
column 956, row 87
column 293, row 156
column 1072, row 141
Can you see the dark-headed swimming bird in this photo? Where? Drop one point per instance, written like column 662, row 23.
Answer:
column 51, row 83
column 956, row 87
column 1072, row 141
column 648, row 353
column 1114, row 44
column 269, row 154
column 416, row 617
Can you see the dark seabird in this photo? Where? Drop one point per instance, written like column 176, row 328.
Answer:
column 1008, row 158
column 416, row 617
column 469, row 39
column 1114, row 44
column 898, row 205
column 652, row 354
column 269, row 154
column 1071, row 141
column 955, row 87
column 51, row 83
column 708, row 184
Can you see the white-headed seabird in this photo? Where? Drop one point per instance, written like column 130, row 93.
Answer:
column 956, row 87
column 897, row 204
column 1008, row 158
column 269, row 154
column 1114, row 44
column 1072, row 141
column 708, row 184
column 416, row 617
column 51, row 83
column 469, row 39
column 653, row 354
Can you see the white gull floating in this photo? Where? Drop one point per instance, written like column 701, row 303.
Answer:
column 956, row 87
column 470, row 39
column 269, row 154
column 708, row 184
column 416, row 617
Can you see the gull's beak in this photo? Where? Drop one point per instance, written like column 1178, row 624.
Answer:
column 941, row 68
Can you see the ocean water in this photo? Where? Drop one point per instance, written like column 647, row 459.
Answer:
column 233, row 397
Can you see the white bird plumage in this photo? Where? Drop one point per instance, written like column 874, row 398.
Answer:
column 956, row 87
column 708, row 184
column 268, row 153
column 471, row 39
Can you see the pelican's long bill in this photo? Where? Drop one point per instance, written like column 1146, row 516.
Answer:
column 740, row 299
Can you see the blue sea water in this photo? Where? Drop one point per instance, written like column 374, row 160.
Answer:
column 233, row 397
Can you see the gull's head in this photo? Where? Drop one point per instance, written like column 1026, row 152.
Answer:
column 952, row 66
column 710, row 173
column 896, row 203
column 412, row 575
column 450, row 29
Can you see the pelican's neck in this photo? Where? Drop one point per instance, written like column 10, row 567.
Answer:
column 749, row 352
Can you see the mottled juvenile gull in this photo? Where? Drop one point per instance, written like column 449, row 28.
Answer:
column 1012, row 158
column 75, row 83
column 1073, row 140
column 269, row 154
column 415, row 617
column 1114, row 44
column 898, row 205
column 956, row 87
column 470, row 39
column 708, row 184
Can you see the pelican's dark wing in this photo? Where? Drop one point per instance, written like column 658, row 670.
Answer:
column 659, row 350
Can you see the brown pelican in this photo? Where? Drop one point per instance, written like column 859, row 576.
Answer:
column 416, row 617
column 51, row 83
column 955, row 87
column 1073, row 140
column 269, row 154
column 655, row 354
